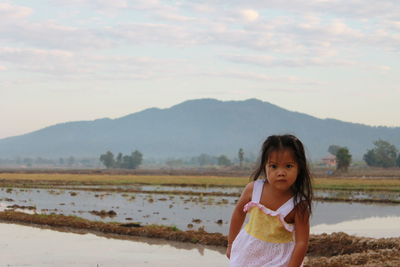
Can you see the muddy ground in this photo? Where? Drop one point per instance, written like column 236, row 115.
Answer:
column 63, row 185
column 336, row 250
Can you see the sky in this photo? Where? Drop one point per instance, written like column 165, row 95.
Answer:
column 72, row 60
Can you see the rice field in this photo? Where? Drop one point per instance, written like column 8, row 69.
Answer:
column 337, row 183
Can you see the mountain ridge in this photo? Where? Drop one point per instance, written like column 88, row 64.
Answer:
column 193, row 127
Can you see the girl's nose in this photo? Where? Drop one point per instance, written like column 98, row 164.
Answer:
column 281, row 172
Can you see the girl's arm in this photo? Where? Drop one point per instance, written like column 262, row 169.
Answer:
column 238, row 216
column 302, row 233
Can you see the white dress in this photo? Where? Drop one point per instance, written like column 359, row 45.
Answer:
column 266, row 240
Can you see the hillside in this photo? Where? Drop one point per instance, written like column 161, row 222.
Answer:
column 194, row 127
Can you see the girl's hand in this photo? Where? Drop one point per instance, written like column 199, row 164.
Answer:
column 228, row 251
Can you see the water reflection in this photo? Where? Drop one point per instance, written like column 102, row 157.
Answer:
column 358, row 195
column 369, row 227
column 28, row 246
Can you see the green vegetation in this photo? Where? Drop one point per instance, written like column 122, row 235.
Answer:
column 343, row 158
column 224, row 161
column 241, row 157
column 122, row 162
column 382, row 155
column 43, row 179
column 333, row 149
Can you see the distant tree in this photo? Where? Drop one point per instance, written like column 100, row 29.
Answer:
column 343, row 159
column 241, row 157
column 370, row 158
column 118, row 162
column 126, row 162
column 398, row 160
column 224, row 161
column 203, row 159
column 137, row 159
column 108, row 159
column 132, row 161
column 383, row 155
column 333, row 149
column 61, row 161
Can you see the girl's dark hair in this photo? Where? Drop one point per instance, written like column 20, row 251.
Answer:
column 302, row 188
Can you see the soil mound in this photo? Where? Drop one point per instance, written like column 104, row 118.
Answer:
column 342, row 250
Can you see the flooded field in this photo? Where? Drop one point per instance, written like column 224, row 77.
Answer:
column 53, row 248
column 211, row 213
column 236, row 191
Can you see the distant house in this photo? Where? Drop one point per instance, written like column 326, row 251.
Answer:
column 329, row 161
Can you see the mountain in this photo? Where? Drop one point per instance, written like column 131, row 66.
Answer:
column 194, row 127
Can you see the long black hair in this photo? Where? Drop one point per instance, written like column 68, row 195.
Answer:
column 302, row 188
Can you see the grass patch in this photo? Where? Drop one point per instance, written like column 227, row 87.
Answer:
column 84, row 179
column 50, row 179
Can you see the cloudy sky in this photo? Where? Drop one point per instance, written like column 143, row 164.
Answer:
column 70, row 60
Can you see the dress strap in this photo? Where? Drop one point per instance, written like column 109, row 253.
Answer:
column 257, row 190
column 286, row 208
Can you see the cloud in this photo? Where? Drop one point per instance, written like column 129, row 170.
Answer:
column 74, row 65
column 242, row 75
column 299, row 62
column 52, row 35
column 157, row 33
column 174, row 17
column 284, row 39
column 12, row 12
column 340, row 8
column 10, row 53
column 249, row 15
column 97, row 4
column 195, row 25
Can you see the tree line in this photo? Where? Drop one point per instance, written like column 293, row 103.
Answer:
column 131, row 161
column 209, row 160
column 383, row 155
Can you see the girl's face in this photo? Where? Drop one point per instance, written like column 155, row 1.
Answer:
column 281, row 169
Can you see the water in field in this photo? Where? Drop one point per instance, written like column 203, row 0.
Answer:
column 343, row 194
column 171, row 188
column 192, row 212
column 358, row 195
column 28, row 246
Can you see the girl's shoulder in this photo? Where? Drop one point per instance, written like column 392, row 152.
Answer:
column 250, row 187
column 302, row 209
column 248, row 190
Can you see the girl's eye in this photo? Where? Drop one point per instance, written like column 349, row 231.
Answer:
column 289, row 166
column 273, row 166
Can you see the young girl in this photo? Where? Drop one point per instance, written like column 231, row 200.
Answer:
column 279, row 206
